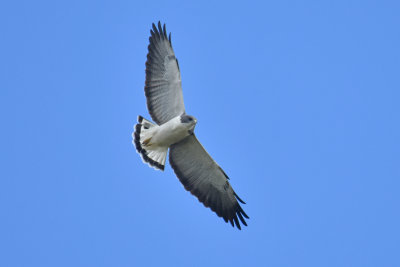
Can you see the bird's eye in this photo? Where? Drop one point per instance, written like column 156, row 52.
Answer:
column 190, row 119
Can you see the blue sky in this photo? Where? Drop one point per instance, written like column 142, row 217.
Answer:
column 298, row 101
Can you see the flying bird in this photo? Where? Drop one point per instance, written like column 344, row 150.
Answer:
column 174, row 130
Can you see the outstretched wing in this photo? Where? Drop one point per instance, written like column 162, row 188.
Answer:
column 163, row 80
column 205, row 179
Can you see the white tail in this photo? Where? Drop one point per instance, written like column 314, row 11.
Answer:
column 153, row 155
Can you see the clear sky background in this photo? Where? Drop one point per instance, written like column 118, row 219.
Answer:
column 298, row 101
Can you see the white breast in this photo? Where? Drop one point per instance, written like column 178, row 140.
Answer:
column 170, row 132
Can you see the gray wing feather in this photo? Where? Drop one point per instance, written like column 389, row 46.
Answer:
column 163, row 88
column 205, row 179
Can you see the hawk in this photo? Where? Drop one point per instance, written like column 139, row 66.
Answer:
column 174, row 130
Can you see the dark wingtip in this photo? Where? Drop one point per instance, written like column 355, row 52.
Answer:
column 159, row 27
column 238, row 198
column 234, row 218
column 244, row 213
column 241, row 218
column 165, row 31
column 159, row 32
column 237, row 223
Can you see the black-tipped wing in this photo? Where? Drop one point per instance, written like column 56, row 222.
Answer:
column 205, row 179
column 163, row 80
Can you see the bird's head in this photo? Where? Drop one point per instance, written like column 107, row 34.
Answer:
column 189, row 122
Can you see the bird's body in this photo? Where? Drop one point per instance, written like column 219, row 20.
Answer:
column 174, row 130
column 169, row 133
